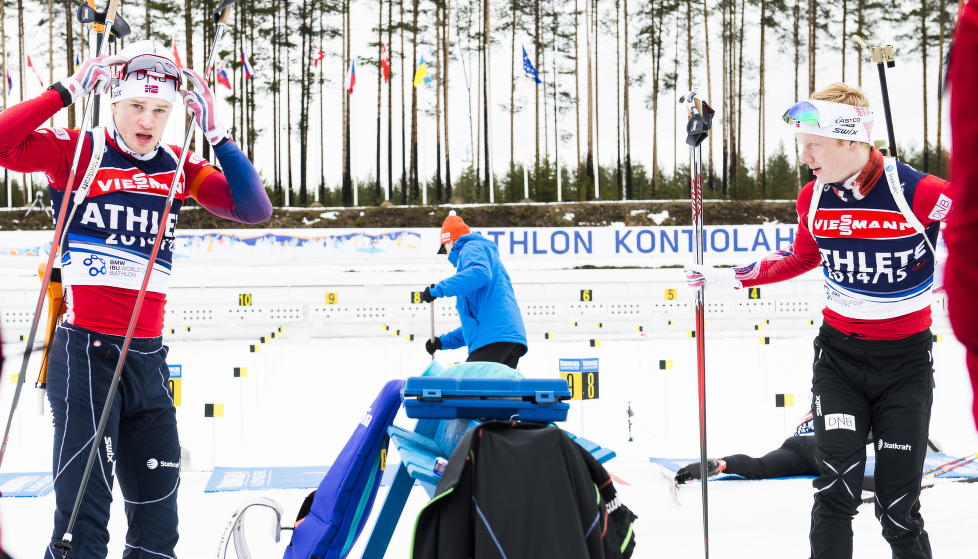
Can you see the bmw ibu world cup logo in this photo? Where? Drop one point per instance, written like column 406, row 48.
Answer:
column 152, row 463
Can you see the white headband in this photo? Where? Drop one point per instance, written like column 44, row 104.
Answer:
column 144, row 84
column 835, row 120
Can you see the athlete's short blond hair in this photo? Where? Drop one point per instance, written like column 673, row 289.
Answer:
column 839, row 92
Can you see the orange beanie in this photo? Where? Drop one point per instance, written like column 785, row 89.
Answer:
column 453, row 228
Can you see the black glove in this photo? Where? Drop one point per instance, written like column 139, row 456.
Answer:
column 690, row 472
column 426, row 296
column 432, row 345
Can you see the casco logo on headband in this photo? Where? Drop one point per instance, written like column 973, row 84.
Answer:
column 831, row 120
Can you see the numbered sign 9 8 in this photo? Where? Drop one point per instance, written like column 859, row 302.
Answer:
column 582, row 378
column 175, row 383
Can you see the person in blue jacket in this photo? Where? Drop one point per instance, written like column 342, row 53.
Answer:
column 492, row 326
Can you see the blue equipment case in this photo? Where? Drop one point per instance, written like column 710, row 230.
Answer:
column 541, row 400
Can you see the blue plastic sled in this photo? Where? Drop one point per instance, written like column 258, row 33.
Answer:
column 341, row 505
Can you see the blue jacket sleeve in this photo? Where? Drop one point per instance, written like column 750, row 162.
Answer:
column 475, row 271
column 248, row 196
column 453, row 339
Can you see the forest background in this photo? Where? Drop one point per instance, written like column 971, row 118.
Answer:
column 356, row 103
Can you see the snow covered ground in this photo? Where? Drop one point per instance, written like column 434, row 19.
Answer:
column 305, row 391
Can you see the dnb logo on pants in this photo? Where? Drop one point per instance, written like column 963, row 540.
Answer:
column 840, row 421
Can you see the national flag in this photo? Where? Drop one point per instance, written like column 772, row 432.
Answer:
column 385, row 62
column 421, row 74
column 528, row 68
column 30, row 65
column 222, row 76
column 317, row 56
column 10, row 83
column 353, row 76
column 151, row 88
column 176, row 55
column 249, row 72
column 77, row 62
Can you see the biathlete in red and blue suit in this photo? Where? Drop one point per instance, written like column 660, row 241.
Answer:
column 109, row 240
column 872, row 224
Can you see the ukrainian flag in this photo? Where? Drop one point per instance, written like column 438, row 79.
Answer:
column 421, row 74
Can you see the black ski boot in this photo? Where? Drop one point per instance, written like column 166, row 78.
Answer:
column 692, row 471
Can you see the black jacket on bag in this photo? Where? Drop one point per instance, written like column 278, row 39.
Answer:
column 518, row 490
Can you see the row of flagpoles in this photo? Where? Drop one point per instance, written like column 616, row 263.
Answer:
column 420, row 77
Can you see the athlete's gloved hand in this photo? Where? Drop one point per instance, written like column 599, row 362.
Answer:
column 692, row 471
column 426, row 296
column 432, row 345
column 94, row 74
column 698, row 275
column 200, row 103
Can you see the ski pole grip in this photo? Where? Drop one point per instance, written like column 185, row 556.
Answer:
column 110, row 12
column 223, row 15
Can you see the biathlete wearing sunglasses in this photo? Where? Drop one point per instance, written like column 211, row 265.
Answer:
column 871, row 223
column 103, row 260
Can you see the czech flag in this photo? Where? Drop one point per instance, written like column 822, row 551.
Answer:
column 353, row 76
column 249, row 72
column 222, row 76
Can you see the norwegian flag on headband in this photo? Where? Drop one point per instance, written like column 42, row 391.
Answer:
column 151, row 88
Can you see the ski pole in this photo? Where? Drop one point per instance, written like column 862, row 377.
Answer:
column 432, row 325
column 961, row 462
column 697, row 129
column 950, row 462
column 221, row 18
column 61, row 227
column 883, row 57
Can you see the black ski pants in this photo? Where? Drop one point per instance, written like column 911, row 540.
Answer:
column 858, row 385
column 507, row 353
column 140, row 443
column 796, row 457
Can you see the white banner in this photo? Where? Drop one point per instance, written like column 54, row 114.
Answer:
column 625, row 246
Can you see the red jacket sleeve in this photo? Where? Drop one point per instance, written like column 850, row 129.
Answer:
column 961, row 271
column 800, row 257
column 932, row 200
column 26, row 149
